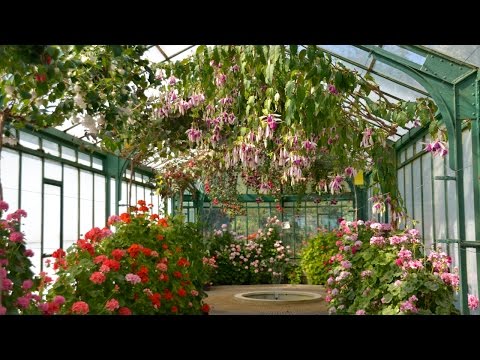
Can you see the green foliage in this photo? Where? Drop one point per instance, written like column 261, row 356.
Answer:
column 316, row 254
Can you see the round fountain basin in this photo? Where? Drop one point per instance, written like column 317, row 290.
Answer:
column 278, row 296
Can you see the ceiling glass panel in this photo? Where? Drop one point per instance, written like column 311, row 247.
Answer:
column 466, row 53
column 404, row 53
column 349, row 52
column 396, row 89
column 396, row 74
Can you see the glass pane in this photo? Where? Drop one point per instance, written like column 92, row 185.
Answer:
column 466, row 53
column 68, row 153
column 408, row 189
column 28, row 140
column 396, row 74
column 397, row 90
column 99, row 205
column 50, row 147
column 409, row 152
column 84, row 159
column 53, row 170
column 468, row 186
column 97, row 163
column 406, row 54
column 124, row 199
column 417, row 188
column 427, row 200
column 10, row 161
column 112, row 196
column 86, row 201
column 31, row 202
column 419, row 145
column 349, row 52
column 70, row 206
column 439, row 199
column 51, row 218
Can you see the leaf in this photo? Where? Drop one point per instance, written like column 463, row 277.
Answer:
column 302, row 54
column 268, row 104
column 269, row 72
column 387, row 298
column 200, row 49
column 301, row 92
column 276, row 49
column 289, row 89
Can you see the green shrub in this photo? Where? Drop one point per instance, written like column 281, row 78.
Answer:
column 316, row 254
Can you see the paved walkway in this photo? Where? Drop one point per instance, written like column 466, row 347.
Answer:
column 222, row 301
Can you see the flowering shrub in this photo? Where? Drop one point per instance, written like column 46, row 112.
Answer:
column 316, row 254
column 378, row 271
column 261, row 258
column 20, row 291
column 149, row 265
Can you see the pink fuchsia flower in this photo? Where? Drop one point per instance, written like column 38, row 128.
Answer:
column 346, row 264
column 3, row 205
column 112, row 305
column 332, row 89
column 437, row 148
column 16, row 236
column 367, row 140
column 378, row 207
column 309, row 145
column 133, row 278
column 336, row 184
column 361, row 312
column 80, row 307
column 27, row 284
column 220, row 79
column 473, row 302
column 172, row 80
column 350, row 171
column 194, row 135
column 3, row 310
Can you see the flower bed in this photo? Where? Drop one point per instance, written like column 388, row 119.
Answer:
column 149, row 265
column 380, row 271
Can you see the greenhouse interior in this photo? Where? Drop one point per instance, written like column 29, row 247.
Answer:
column 151, row 179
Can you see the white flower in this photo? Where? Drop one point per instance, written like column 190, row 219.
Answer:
column 78, row 99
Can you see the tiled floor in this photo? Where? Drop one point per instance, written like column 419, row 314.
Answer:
column 223, row 302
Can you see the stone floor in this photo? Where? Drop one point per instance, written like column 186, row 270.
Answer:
column 222, row 301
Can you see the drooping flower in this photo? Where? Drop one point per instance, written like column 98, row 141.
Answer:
column 367, row 140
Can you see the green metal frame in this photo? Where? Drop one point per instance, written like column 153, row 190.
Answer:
column 454, row 86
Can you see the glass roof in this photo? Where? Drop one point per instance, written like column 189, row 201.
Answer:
column 394, row 83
